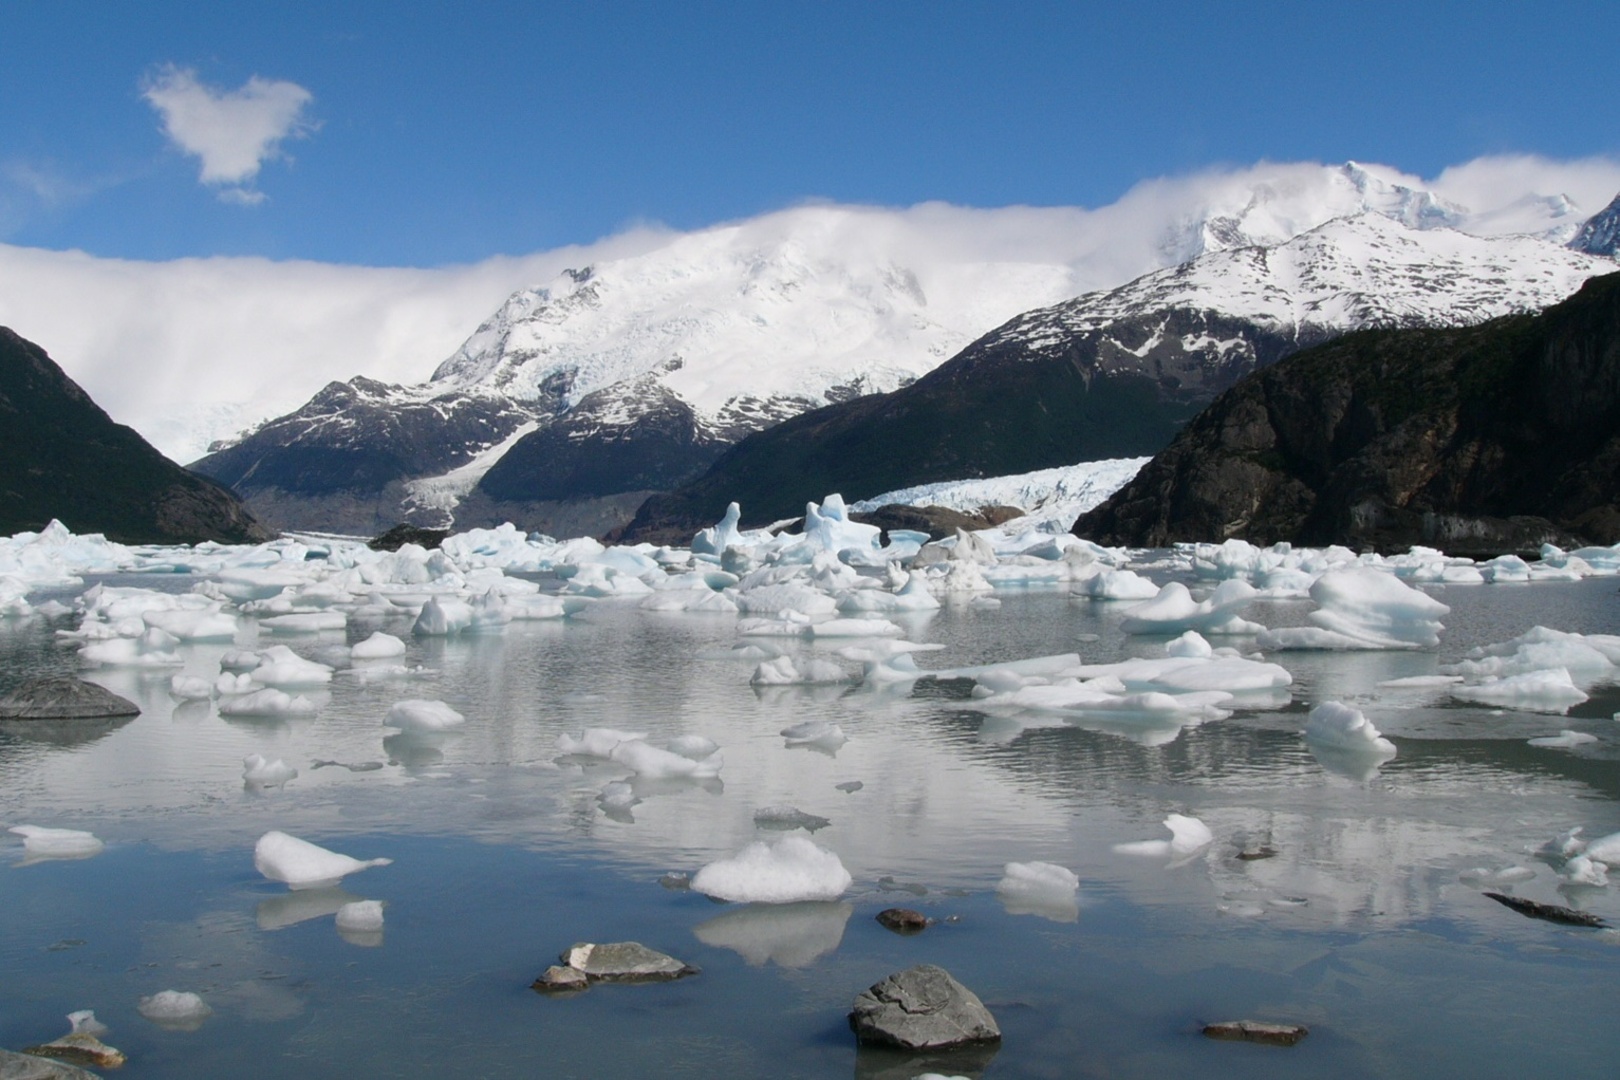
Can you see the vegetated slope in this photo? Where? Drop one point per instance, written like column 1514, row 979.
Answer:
column 1486, row 439
column 62, row 457
column 1117, row 373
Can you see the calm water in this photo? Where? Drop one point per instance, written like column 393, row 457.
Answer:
column 1359, row 927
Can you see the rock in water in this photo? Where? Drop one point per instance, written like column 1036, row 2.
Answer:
column 59, row 698
column 14, row 1066
column 1254, row 1031
column 1551, row 912
column 922, row 1008
column 904, row 920
column 624, row 961
column 81, row 1048
column 560, row 979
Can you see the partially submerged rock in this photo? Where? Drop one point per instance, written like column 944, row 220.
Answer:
column 921, row 1008
column 80, row 1048
column 64, row 698
column 904, row 920
column 1257, row 1032
column 1551, row 912
column 621, row 961
column 15, row 1066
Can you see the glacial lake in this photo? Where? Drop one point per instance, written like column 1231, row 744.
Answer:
column 1362, row 927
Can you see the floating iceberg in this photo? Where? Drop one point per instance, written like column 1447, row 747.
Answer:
column 596, row 742
column 1187, row 836
column 652, row 763
column 280, row 667
column 1173, row 611
column 379, row 646
column 179, row 1010
column 1339, row 727
column 1040, row 888
column 1537, row 691
column 1363, row 609
column 1564, row 740
column 790, row 870
column 419, row 715
column 257, row 772
column 268, row 702
column 361, row 916
column 785, row 671
column 819, row 733
column 303, row 865
column 46, row 843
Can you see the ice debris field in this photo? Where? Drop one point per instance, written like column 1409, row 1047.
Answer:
column 1206, row 632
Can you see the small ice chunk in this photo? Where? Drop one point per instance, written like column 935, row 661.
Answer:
column 1549, row 690
column 361, row 916
column 785, row 671
column 1605, row 849
column 268, row 702
column 823, row 733
column 416, row 714
column 260, row 773
column 1187, row 835
column 1564, row 740
column 303, row 865
column 305, row 622
column 1340, row 727
column 596, row 742
column 379, row 646
column 1585, row 870
column 45, row 843
column 178, row 1009
column 191, row 688
column 280, row 667
column 617, row 795
column 228, row 685
column 649, row 761
column 791, row 869
column 1040, row 888
column 1190, row 644
column 1507, row 875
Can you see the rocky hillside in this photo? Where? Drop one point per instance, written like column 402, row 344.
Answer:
column 64, row 458
column 1117, row 373
column 1486, row 439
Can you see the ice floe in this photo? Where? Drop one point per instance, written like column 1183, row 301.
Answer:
column 791, row 869
column 300, row 864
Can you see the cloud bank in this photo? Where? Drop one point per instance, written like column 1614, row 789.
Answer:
column 232, row 132
column 191, row 350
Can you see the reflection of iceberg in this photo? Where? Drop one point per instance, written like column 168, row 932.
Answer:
column 283, row 911
column 789, row 935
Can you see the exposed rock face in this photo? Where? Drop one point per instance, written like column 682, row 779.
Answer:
column 62, row 457
column 1601, row 233
column 921, row 1008
column 1496, row 437
column 64, row 699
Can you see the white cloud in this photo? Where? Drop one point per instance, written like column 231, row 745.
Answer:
column 194, row 349
column 232, row 132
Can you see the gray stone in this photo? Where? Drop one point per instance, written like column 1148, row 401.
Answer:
column 81, row 1048
column 904, row 920
column 558, row 978
column 922, row 1008
column 61, row 698
column 625, row 961
column 1258, row 1032
column 14, row 1066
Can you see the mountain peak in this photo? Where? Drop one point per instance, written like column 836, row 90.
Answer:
column 1601, row 233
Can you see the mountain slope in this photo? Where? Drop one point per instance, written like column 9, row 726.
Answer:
column 64, row 458
column 1116, row 373
column 1600, row 235
column 1477, row 440
column 675, row 353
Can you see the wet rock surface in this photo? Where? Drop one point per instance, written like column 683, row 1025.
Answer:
column 80, row 1048
column 15, row 1066
column 904, row 920
column 921, row 1008
column 1257, row 1032
column 621, row 961
column 63, row 698
column 1550, row 912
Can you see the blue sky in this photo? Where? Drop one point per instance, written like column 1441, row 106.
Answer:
column 431, row 134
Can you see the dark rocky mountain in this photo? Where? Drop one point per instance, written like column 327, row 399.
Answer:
column 1117, row 373
column 64, row 458
column 1601, row 233
column 1493, row 438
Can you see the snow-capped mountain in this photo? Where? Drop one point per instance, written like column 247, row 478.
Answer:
column 1115, row 373
column 632, row 375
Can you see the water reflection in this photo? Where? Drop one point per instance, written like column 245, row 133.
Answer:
column 788, row 935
